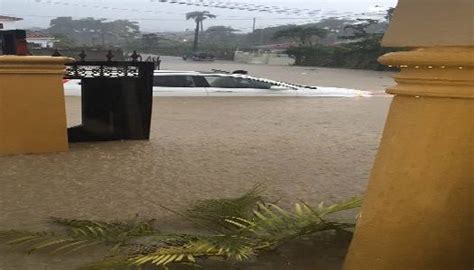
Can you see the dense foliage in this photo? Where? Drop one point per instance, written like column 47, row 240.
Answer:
column 235, row 229
column 93, row 32
column 303, row 35
column 359, row 48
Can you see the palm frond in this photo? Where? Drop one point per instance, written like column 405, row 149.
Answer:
column 79, row 234
column 199, row 15
column 273, row 225
column 338, row 207
column 227, row 246
column 164, row 256
column 241, row 228
column 231, row 246
column 33, row 241
column 105, row 231
column 214, row 212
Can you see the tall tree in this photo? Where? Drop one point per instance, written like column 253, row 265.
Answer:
column 150, row 41
column 361, row 37
column 89, row 31
column 221, row 35
column 198, row 17
column 303, row 34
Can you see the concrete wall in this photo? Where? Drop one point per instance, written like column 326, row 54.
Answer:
column 43, row 43
column 263, row 58
column 8, row 25
column 92, row 55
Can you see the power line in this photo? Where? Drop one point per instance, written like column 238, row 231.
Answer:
column 241, row 6
column 301, row 13
column 151, row 19
column 95, row 6
column 309, row 14
column 212, row 4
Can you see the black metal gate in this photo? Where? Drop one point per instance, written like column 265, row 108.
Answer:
column 117, row 99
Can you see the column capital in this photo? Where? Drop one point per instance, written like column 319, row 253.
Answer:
column 12, row 64
column 433, row 72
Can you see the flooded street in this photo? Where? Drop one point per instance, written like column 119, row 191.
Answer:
column 311, row 149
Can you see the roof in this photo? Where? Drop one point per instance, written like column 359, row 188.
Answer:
column 37, row 35
column 8, row 18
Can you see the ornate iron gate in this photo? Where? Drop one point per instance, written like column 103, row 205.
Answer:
column 116, row 98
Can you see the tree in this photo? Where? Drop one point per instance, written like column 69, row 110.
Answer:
column 223, row 36
column 89, row 31
column 150, row 41
column 302, row 34
column 221, row 30
column 198, row 17
column 63, row 41
column 361, row 37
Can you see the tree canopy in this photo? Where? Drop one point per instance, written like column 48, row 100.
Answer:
column 199, row 17
column 90, row 31
column 301, row 33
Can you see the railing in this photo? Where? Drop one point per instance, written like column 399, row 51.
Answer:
column 82, row 69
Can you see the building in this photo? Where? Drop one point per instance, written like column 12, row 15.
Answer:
column 39, row 39
column 271, row 54
column 8, row 23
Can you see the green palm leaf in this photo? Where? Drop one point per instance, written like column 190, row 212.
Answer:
column 213, row 213
column 273, row 225
column 34, row 241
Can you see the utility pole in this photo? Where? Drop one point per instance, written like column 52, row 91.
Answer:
column 254, row 23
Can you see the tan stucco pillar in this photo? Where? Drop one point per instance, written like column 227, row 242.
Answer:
column 32, row 108
column 417, row 212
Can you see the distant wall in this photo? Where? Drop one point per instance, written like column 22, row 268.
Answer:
column 7, row 25
column 263, row 58
column 41, row 43
column 92, row 54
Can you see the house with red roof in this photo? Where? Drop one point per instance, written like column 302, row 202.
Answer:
column 39, row 39
column 35, row 38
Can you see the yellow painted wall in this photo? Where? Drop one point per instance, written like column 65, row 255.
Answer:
column 32, row 107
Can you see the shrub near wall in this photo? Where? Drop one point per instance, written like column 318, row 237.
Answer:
column 353, row 55
column 180, row 50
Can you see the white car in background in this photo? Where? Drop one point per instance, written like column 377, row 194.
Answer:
column 219, row 83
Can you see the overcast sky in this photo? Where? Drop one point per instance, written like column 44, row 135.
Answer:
column 154, row 16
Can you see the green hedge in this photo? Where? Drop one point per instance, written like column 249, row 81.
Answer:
column 357, row 55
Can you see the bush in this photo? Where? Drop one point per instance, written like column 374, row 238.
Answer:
column 356, row 55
